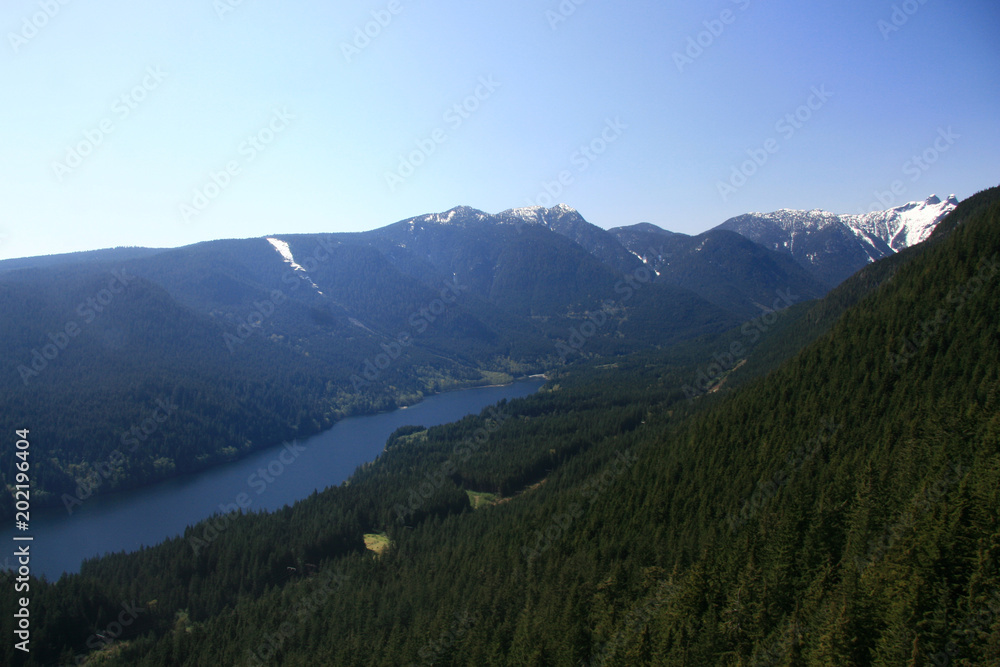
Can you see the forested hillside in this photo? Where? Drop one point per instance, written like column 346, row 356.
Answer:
column 841, row 510
column 723, row 267
column 256, row 341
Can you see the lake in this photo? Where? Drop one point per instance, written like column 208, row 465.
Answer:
column 271, row 477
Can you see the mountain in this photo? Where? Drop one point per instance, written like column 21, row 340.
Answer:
column 723, row 267
column 831, row 246
column 566, row 221
column 87, row 256
column 839, row 509
column 342, row 324
column 906, row 225
column 335, row 324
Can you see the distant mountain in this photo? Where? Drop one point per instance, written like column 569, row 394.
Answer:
column 87, row 256
column 527, row 262
column 262, row 340
column 566, row 221
column 265, row 339
column 831, row 246
column 723, row 267
column 837, row 505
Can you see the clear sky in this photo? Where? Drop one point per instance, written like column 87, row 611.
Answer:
column 116, row 113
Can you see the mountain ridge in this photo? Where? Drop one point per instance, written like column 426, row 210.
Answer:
column 838, row 510
column 833, row 246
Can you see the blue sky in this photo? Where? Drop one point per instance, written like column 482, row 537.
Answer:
column 156, row 124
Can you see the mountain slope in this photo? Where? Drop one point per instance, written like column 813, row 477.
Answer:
column 831, row 246
column 365, row 321
column 333, row 324
column 906, row 225
column 724, row 267
column 840, row 511
column 566, row 221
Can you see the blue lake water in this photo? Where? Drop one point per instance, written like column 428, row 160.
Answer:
column 128, row 520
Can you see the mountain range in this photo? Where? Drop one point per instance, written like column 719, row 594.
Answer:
column 830, row 500
column 342, row 324
column 832, row 247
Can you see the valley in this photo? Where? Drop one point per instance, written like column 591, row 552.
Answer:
column 740, row 492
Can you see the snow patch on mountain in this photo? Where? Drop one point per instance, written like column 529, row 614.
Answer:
column 899, row 227
column 459, row 215
column 905, row 225
column 286, row 253
column 833, row 246
column 535, row 215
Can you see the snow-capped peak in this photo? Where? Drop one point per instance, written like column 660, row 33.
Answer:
column 906, row 225
column 536, row 214
column 899, row 227
column 463, row 212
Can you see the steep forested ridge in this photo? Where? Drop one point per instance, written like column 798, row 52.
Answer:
column 842, row 510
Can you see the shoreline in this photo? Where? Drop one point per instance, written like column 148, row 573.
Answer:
column 57, row 501
column 227, row 480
